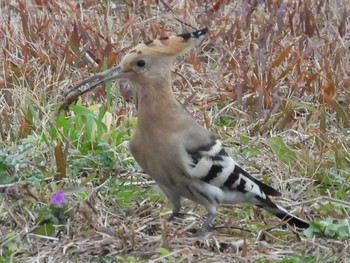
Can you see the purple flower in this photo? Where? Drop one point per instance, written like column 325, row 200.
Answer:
column 58, row 198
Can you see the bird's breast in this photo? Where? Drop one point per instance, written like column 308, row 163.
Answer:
column 156, row 154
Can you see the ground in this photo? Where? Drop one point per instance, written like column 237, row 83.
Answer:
column 271, row 80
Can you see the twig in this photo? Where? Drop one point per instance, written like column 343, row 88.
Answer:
column 7, row 185
column 182, row 22
column 44, row 237
column 320, row 198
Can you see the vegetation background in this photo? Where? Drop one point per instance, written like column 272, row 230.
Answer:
column 271, row 79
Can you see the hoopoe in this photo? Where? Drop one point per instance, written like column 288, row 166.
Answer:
column 184, row 158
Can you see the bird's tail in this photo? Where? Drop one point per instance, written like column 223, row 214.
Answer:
column 284, row 215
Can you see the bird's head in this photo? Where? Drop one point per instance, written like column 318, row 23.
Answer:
column 151, row 59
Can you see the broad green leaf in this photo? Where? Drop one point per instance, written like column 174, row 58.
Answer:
column 81, row 110
column 5, row 177
column 61, row 120
column 283, row 152
column 343, row 228
column 52, row 131
column 45, row 230
column 44, row 215
column 163, row 251
column 243, row 138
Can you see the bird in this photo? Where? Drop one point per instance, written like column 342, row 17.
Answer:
column 185, row 159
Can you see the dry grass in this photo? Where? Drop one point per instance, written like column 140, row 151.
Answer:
column 267, row 70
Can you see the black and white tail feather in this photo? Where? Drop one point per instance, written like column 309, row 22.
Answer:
column 213, row 167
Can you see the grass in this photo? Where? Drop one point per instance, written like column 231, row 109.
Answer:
column 271, row 80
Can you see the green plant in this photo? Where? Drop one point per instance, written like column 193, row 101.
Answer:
column 329, row 228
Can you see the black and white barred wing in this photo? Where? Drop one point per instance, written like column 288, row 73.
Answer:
column 211, row 164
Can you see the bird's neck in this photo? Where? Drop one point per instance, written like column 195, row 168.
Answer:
column 156, row 102
column 154, row 95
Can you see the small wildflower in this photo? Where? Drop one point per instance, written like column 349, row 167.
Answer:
column 57, row 198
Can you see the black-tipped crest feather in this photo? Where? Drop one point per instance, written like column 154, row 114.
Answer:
column 195, row 34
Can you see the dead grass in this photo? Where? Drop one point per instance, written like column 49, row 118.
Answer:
column 268, row 69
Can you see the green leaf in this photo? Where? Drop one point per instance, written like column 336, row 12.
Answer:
column 309, row 233
column 249, row 152
column 52, row 129
column 344, row 228
column 81, row 110
column 328, row 228
column 89, row 130
column 300, row 104
column 243, row 138
column 131, row 260
column 7, row 260
column 33, row 112
column 89, row 179
column 5, row 177
column 283, row 152
column 163, row 251
column 45, row 230
column 44, row 215
column 61, row 120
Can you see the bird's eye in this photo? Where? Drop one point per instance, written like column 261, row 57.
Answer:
column 141, row 63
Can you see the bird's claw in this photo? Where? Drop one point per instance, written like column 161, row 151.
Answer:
column 174, row 214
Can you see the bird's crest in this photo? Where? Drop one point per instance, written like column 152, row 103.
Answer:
column 165, row 48
column 170, row 46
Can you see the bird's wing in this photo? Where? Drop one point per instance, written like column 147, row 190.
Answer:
column 206, row 159
column 208, row 164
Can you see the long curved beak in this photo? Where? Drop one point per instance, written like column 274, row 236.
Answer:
column 90, row 83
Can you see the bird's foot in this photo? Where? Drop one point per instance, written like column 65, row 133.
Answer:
column 204, row 229
column 200, row 233
column 175, row 214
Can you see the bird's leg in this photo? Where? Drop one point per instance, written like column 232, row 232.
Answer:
column 204, row 229
column 174, row 214
column 175, row 200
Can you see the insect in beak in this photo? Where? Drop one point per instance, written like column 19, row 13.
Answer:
column 90, row 83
